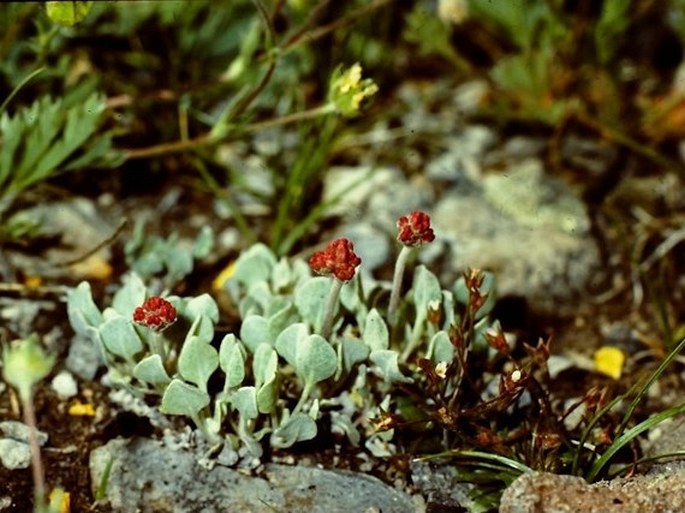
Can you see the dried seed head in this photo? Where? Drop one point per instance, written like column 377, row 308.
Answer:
column 497, row 339
column 156, row 313
column 415, row 229
column 338, row 259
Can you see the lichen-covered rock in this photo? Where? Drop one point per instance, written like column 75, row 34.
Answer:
column 550, row 493
column 527, row 228
column 147, row 476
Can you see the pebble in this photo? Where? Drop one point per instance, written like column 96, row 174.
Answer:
column 14, row 454
column 19, row 431
column 64, row 385
column 14, row 449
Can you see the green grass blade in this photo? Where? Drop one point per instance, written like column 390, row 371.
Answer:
column 629, row 435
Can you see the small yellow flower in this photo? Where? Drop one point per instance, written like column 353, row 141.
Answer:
column 60, row 501
column 347, row 90
column 609, row 360
column 79, row 409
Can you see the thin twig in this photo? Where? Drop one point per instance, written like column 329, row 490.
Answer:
column 94, row 250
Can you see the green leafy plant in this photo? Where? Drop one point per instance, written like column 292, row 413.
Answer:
column 46, row 138
column 433, row 363
column 24, row 365
column 165, row 258
column 293, row 352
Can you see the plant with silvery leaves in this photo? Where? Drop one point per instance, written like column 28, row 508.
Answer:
column 307, row 344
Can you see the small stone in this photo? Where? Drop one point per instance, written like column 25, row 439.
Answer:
column 5, row 502
column 469, row 96
column 64, row 385
column 370, row 244
column 19, row 431
column 14, row 454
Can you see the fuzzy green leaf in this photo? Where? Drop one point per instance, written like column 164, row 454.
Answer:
column 254, row 266
column 119, row 337
column 312, row 357
column 310, row 300
column 281, row 320
column 289, row 340
column 81, row 308
column 232, row 361
column 151, row 370
column 264, row 367
column 130, row 296
column 202, row 328
column 441, row 348
column 203, row 305
column 203, row 243
column 376, row 334
column 354, row 350
column 387, row 366
column 298, row 428
column 183, row 399
column 426, row 289
column 245, row 401
column 197, row 361
column 254, row 331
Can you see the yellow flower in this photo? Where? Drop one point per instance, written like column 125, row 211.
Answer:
column 347, row 90
column 609, row 360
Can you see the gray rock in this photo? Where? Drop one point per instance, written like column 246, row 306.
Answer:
column 369, row 243
column 81, row 227
column 469, row 96
column 146, row 476
column 14, row 454
column 360, row 182
column 527, row 228
column 517, row 148
column 20, row 432
column 14, row 449
column 463, row 157
column 441, row 485
column 667, row 437
column 64, row 385
column 549, row 493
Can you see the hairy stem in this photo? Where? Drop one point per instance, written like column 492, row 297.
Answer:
column 329, row 311
column 36, row 461
column 400, row 264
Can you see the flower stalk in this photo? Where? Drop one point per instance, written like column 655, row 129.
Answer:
column 339, row 260
column 413, row 230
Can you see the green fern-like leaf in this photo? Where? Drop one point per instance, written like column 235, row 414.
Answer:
column 47, row 138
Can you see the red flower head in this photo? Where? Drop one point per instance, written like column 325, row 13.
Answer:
column 415, row 229
column 338, row 259
column 156, row 313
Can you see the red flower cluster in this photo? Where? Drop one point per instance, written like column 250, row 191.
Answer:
column 156, row 313
column 338, row 259
column 415, row 229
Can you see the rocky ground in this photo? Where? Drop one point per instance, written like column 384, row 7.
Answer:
column 494, row 205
